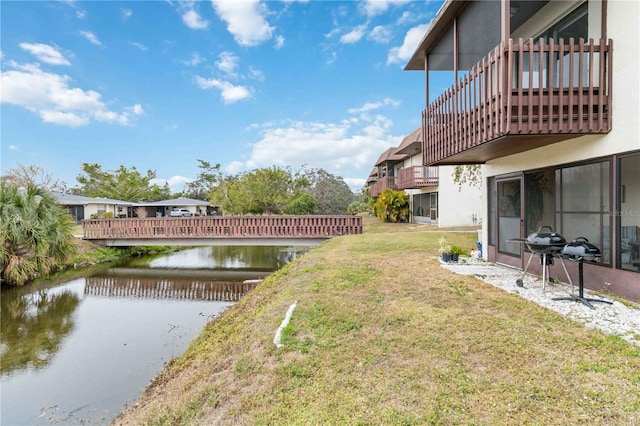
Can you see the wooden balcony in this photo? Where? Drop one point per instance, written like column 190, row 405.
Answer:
column 417, row 177
column 520, row 97
column 382, row 184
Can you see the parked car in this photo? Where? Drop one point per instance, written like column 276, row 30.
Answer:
column 180, row 213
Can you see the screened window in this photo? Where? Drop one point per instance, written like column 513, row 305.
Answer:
column 426, row 205
column 628, row 212
column 583, row 204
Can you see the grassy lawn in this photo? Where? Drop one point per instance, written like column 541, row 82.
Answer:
column 382, row 335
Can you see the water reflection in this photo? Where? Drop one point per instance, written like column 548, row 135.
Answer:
column 33, row 326
column 222, row 291
column 80, row 350
column 230, row 257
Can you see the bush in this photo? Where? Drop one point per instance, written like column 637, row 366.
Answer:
column 357, row 207
column 392, row 206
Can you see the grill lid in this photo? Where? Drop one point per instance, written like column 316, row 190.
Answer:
column 549, row 238
column 581, row 248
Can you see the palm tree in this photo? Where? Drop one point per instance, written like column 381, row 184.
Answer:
column 35, row 231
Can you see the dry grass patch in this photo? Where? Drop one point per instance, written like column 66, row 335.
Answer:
column 383, row 335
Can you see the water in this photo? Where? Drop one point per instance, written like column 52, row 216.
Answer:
column 79, row 351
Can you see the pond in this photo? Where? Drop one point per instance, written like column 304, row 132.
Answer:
column 80, row 350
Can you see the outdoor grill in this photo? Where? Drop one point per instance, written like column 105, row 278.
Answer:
column 581, row 250
column 546, row 243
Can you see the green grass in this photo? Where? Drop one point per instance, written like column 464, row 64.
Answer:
column 383, row 335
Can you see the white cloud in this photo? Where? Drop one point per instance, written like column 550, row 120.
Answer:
column 233, row 167
column 139, row 45
column 347, row 148
column 55, row 101
column 195, row 60
column 136, row 109
column 126, row 14
column 228, row 63
column 412, row 39
column 355, row 184
column 336, row 147
column 176, row 183
column 245, row 20
column 229, row 93
column 193, row 20
column 369, row 106
column 279, row 42
column 354, row 35
column 13, row 147
column 380, row 34
column 332, row 58
column 377, row 7
column 45, row 53
column 80, row 14
column 91, row 37
column 255, row 74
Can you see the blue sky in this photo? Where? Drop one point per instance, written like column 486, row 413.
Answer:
column 247, row 84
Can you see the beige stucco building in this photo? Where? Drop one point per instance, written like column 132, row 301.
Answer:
column 547, row 100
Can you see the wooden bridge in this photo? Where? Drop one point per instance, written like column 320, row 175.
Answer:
column 305, row 230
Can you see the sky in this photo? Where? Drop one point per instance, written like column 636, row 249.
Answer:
column 159, row 85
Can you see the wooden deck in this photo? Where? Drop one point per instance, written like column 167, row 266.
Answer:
column 220, row 230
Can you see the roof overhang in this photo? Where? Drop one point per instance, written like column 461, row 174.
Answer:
column 439, row 26
column 411, row 145
column 502, row 147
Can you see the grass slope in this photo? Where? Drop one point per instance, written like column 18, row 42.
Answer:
column 383, row 335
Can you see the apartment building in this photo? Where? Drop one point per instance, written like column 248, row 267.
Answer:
column 538, row 99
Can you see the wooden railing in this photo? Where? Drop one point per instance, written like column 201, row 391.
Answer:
column 384, row 183
column 219, row 227
column 417, row 177
column 543, row 88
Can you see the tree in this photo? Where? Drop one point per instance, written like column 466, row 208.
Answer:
column 122, row 184
column 272, row 190
column 230, row 194
column 470, row 174
column 392, row 206
column 208, row 179
column 363, row 204
column 269, row 190
column 331, row 192
column 35, row 231
column 302, row 204
column 24, row 176
column 33, row 327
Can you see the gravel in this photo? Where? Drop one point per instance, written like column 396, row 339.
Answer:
column 619, row 319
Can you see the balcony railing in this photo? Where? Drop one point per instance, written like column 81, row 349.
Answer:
column 520, row 97
column 417, row 177
column 382, row 184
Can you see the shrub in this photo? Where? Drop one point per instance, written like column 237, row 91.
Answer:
column 392, row 206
